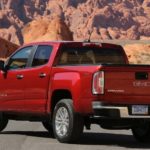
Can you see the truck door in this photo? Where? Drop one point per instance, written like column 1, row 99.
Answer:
column 12, row 83
column 37, row 80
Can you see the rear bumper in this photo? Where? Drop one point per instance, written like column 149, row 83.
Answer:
column 101, row 110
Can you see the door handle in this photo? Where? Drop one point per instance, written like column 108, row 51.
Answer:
column 19, row 76
column 42, row 75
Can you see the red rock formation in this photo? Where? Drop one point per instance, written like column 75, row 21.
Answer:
column 11, row 34
column 45, row 30
column 6, row 48
column 138, row 53
column 113, row 19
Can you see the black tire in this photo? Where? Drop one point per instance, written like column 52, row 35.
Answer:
column 75, row 122
column 48, row 126
column 3, row 122
column 142, row 132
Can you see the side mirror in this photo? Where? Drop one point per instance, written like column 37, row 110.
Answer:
column 2, row 65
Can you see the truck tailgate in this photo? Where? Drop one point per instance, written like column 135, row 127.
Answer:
column 127, row 84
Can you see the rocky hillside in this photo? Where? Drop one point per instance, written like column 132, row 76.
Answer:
column 97, row 19
column 47, row 30
column 6, row 48
column 138, row 53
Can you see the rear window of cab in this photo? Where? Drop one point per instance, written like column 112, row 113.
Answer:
column 89, row 55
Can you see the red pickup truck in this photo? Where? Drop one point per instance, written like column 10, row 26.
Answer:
column 69, row 85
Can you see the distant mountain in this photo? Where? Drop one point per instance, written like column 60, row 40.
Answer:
column 97, row 19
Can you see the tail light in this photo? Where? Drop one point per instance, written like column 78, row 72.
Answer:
column 98, row 83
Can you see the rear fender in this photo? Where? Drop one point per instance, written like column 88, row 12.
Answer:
column 66, row 81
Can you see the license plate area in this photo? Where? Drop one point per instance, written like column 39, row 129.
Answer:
column 139, row 110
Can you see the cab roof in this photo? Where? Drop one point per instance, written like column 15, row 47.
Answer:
column 76, row 43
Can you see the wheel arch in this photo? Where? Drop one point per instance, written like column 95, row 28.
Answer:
column 64, row 85
column 57, row 95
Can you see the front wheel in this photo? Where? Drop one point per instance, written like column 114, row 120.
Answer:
column 142, row 132
column 67, row 125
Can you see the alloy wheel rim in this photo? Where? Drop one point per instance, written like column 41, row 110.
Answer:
column 62, row 121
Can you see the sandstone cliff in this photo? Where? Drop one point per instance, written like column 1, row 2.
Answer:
column 138, row 53
column 46, row 30
column 6, row 48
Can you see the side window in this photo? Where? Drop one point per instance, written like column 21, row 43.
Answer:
column 42, row 55
column 19, row 60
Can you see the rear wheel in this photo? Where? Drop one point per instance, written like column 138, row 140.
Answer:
column 3, row 122
column 142, row 132
column 67, row 125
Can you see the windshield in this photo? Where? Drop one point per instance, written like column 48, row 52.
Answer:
column 90, row 55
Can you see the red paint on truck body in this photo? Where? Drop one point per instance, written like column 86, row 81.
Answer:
column 33, row 94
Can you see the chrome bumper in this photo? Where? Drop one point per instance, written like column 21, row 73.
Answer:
column 123, row 111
